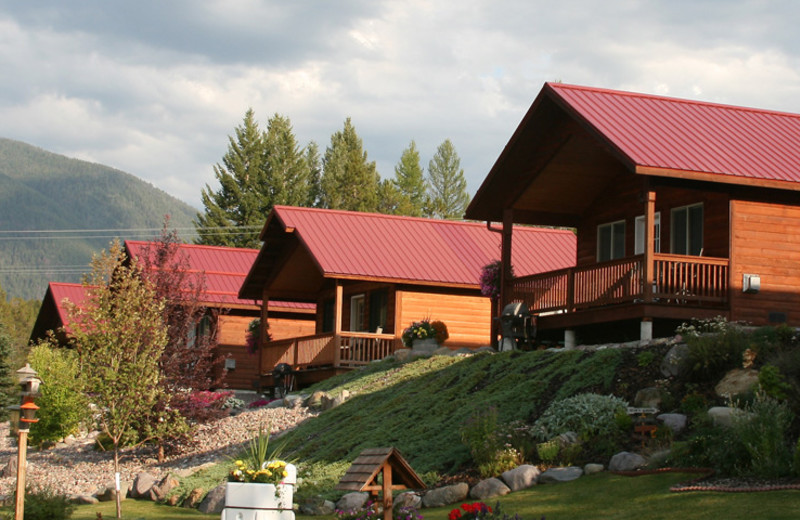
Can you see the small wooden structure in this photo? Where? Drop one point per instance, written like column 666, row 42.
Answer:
column 388, row 462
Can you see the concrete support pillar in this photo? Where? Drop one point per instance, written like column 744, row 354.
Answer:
column 646, row 330
column 569, row 338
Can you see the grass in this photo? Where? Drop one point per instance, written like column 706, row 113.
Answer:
column 598, row 496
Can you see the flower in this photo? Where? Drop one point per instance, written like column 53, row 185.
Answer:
column 473, row 511
column 425, row 329
column 490, row 279
column 272, row 472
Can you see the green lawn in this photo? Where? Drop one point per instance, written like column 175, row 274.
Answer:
column 597, row 496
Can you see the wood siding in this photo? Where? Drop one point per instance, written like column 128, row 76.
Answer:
column 764, row 242
column 468, row 318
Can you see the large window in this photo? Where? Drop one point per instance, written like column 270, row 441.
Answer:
column 378, row 307
column 638, row 247
column 610, row 241
column 357, row 313
column 328, row 315
column 687, row 230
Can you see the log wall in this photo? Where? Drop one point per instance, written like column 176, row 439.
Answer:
column 468, row 318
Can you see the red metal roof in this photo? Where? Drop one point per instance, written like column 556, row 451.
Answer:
column 375, row 246
column 74, row 292
column 691, row 136
column 225, row 269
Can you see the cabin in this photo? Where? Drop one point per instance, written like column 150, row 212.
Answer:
column 372, row 275
column 224, row 270
column 682, row 209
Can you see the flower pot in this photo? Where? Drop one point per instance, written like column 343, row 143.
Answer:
column 257, row 501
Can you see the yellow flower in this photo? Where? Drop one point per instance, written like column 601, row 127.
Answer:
column 285, row 474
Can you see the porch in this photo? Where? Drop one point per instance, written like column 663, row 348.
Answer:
column 320, row 356
column 682, row 287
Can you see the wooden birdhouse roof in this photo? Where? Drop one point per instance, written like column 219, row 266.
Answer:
column 370, row 463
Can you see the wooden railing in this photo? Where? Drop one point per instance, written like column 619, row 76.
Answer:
column 677, row 280
column 327, row 350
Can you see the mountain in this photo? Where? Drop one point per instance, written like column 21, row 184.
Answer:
column 40, row 190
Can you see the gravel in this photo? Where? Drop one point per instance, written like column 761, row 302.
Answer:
column 76, row 467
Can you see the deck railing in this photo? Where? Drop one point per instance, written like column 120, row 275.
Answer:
column 349, row 349
column 677, row 280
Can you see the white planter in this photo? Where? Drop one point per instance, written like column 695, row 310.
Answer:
column 424, row 345
column 254, row 501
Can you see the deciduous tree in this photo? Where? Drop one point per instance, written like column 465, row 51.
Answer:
column 448, row 188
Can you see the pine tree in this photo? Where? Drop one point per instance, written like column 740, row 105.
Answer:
column 237, row 207
column 349, row 181
column 288, row 174
column 448, row 187
column 314, row 174
column 409, row 179
column 8, row 387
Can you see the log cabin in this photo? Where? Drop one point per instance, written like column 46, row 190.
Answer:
column 683, row 210
column 372, row 275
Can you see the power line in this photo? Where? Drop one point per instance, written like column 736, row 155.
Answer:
column 66, row 234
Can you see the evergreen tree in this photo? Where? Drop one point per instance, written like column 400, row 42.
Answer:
column 239, row 201
column 288, row 174
column 409, row 179
column 390, row 200
column 349, row 181
column 448, row 187
column 8, row 386
column 314, row 174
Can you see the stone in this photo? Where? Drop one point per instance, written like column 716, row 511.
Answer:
column 442, row 351
column 195, row 497
column 10, row 469
column 676, row 422
column 172, row 500
column 109, row 493
column 317, row 506
column 521, row 477
column 491, row 487
column 142, row 484
column 737, row 382
column 332, row 402
column 275, row 403
column 725, row 415
column 427, row 345
column 407, row 499
column 566, row 474
column 676, row 361
column 626, row 461
column 293, row 401
column 214, row 502
column 160, row 491
column 83, row 500
column 444, row 496
column 592, row 468
column 567, row 439
column 403, row 354
column 648, row 398
column 352, row 501
column 316, row 399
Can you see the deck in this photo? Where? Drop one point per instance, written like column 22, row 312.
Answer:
column 677, row 281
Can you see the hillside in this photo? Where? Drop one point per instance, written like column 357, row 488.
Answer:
column 40, row 190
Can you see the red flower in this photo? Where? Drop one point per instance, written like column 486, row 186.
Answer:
column 455, row 514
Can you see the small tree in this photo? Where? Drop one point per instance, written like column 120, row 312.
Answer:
column 448, row 187
column 8, row 387
column 119, row 335
column 409, row 179
column 349, row 181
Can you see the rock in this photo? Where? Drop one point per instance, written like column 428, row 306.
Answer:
column 676, row 361
column 10, row 469
column 591, row 469
column 352, row 501
column 648, row 398
column 293, row 401
column 317, row 506
column 463, row 351
column 407, row 499
column 403, row 354
column 521, row 477
column 567, row 439
column 446, row 495
column 109, row 493
column 484, row 349
column 83, row 500
column 725, row 415
column 142, row 484
column 566, row 474
column 160, row 491
column 195, row 497
column 172, row 500
column 442, row 351
column 333, row 402
column 736, row 382
column 316, row 399
column 626, row 461
column 214, row 502
column 492, row 487
column 276, row 403
column 676, row 422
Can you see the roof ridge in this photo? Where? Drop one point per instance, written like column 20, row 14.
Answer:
column 686, row 101
column 198, row 246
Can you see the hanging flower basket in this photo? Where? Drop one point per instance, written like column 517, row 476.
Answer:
column 490, row 279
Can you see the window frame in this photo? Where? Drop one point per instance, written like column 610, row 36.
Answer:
column 638, row 239
column 613, row 254
column 688, row 236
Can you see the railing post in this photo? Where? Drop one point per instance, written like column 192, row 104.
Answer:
column 649, row 244
column 570, row 289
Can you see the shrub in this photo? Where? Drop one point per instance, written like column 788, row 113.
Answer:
column 645, row 359
column 63, row 406
column 492, row 448
column 204, row 406
column 772, row 382
column 363, row 513
column 762, row 431
column 588, row 415
column 45, row 504
column 713, row 354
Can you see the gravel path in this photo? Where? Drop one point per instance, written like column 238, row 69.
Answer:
column 79, row 468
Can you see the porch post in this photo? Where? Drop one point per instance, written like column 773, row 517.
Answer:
column 649, row 244
column 337, row 323
column 506, row 280
column 262, row 333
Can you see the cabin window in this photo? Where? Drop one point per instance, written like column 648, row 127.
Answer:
column 610, row 241
column 378, row 305
column 328, row 315
column 203, row 328
column 357, row 307
column 687, row 230
column 638, row 248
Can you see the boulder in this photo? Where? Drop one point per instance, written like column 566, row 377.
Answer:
column 316, row 399
column 521, row 477
column 591, row 469
column 626, row 461
column 142, row 484
column 214, row 502
column 446, row 495
column 676, row 422
column 160, row 491
column 566, row 474
column 648, row 398
column 293, row 401
column 195, row 497
column 332, row 402
column 83, row 500
column 109, row 493
column 402, row 355
column 736, row 382
column 10, row 468
column 676, row 361
column 173, row 500
column 567, row 439
column 317, row 506
column 407, row 499
column 492, row 487
column 352, row 501
column 725, row 415
column 442, row 351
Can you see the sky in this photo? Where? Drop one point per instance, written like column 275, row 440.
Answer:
column 156, row 88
